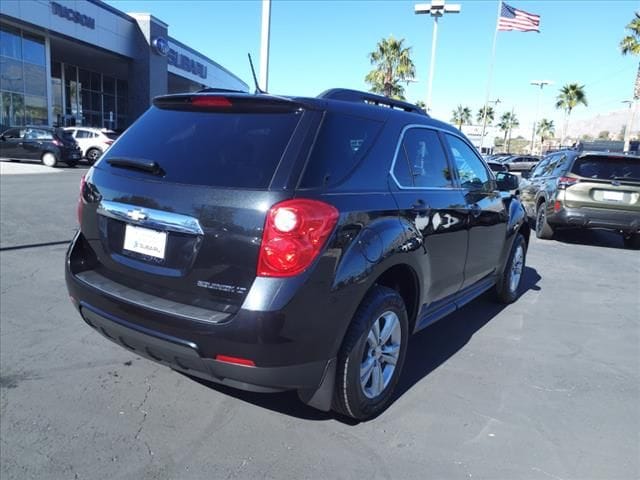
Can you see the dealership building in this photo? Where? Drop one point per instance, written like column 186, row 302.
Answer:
column 83, row 62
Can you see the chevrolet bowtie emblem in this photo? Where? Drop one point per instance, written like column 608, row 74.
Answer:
column 137, row 215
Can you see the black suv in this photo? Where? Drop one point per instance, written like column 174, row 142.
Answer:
column 49, row 145
column 281, row 243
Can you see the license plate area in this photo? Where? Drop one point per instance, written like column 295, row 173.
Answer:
column 145, row 241
column 612, row 196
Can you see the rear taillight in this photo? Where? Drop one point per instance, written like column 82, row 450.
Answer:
column 557, row 206
column 294, row 233
column 57, row 142
column 564, row 182
column 108, row 142
column 211, row 102
column 80, row 205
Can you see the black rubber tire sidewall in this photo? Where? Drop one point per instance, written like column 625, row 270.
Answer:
column 503, row 292
column 348, row 396
column 543, row 229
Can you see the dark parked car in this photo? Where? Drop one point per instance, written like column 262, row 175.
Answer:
column 573, row 189
column 519, row 163
column 46, row 144
column 496, row 166
column 281, row 243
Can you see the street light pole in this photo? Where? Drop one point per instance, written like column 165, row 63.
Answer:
column 541, row 84
column 264, row 45
column 630, row 117
column 436, row 9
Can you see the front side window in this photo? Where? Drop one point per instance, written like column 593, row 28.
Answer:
column 471, row 171
column 421, row 161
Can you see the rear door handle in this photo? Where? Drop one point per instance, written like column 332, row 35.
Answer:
column 420, row 207
column 475, row 210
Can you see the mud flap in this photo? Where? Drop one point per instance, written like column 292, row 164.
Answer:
column 321, row 397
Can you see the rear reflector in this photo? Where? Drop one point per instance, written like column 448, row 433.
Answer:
column 235, row 360
column 211, row 102
column 557, row 206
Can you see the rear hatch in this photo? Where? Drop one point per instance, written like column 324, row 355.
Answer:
column 177, row 205
column 605, row 182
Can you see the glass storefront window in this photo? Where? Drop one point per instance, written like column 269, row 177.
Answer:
column 11, row 109
column 23, row 79
column 109, row 85
column 33, row 49
column 35, row 110
column 35, row 80
column 11, row 77
column 10, row 43
column 96, row 82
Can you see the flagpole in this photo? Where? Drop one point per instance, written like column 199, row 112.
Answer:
column 493, row 56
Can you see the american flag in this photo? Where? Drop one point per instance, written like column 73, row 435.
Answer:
column 514, row 19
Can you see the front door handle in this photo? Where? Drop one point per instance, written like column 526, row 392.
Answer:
column 420, row 207
column 475, row 210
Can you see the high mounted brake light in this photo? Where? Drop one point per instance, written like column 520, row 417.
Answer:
column 294, row 234
column 211, row 102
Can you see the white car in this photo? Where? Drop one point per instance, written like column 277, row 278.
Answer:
column 92, row 141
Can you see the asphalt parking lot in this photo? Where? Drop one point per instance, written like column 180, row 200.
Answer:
column 547, row 388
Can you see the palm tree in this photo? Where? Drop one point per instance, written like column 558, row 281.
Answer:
column 490, row 115
column 421, row 104
column 461, row 116
column 393, row 65
column 630, row 45
column 545, row 129
column 508, row 121
column 570, row 96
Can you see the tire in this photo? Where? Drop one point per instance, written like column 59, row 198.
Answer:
column 543, row 229
column 632, row 241
column 92, row 155
column 49, row 159
column 363, row 400
column 508, row 285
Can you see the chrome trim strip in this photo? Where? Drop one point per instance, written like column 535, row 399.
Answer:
column 150, row 218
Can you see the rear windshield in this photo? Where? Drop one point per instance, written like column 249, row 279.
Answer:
column 111, row 135
column 342, row 142
column 240, row 150
column 606, row 168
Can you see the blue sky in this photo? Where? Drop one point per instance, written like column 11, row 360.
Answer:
column 316, row 45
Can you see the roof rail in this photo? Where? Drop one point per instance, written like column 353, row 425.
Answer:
column 347, row 95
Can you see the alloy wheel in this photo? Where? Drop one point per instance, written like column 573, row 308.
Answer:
column 516, row 269
column 381, row 354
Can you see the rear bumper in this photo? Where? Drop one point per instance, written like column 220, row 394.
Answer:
column 185, row 356
column 628, row 221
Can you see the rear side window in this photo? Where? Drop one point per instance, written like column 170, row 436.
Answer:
column 342, row 142
column 421, row 161
column 607, row 168
column 240, row 150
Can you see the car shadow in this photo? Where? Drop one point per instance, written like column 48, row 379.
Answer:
column 592, row 237
column 428, row 349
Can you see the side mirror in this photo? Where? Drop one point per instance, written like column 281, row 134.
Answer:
column 506, row 181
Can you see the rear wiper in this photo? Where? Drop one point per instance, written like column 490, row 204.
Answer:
column 137, row 164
